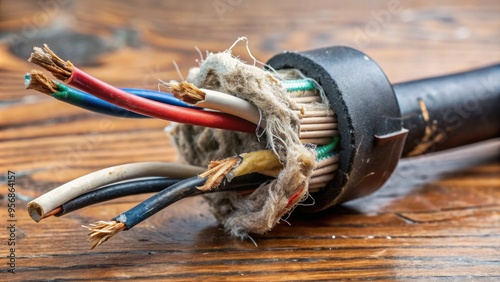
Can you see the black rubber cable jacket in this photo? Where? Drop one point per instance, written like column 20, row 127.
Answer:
column 450, row 111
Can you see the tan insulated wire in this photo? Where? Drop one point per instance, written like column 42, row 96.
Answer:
column 60, row 195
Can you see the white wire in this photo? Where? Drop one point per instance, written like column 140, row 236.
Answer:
column 62, row 194
column 232, row 105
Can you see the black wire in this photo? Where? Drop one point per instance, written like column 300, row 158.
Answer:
column 181, row 190
column 118, row 190
column 160, row 200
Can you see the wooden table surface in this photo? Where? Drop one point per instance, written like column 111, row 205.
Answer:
column 438, row 217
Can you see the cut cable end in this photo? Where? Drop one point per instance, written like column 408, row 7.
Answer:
column 35, row 211
column 48, row 60
column 186, row 92
column 102, row 231
column 216, row 172
column 37, row 81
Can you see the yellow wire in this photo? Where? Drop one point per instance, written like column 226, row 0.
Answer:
column 256, row 162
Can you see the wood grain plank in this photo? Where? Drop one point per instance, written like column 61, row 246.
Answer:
column 437, row 218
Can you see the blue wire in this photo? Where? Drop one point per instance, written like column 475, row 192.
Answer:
column 166, row 98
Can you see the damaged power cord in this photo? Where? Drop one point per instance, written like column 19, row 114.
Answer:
column 319, row 112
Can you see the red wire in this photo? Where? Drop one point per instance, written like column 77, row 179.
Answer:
column 98, row 88
column 292, row 200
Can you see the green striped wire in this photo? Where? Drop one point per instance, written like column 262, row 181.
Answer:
column 327, row 150
column 295, row 85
